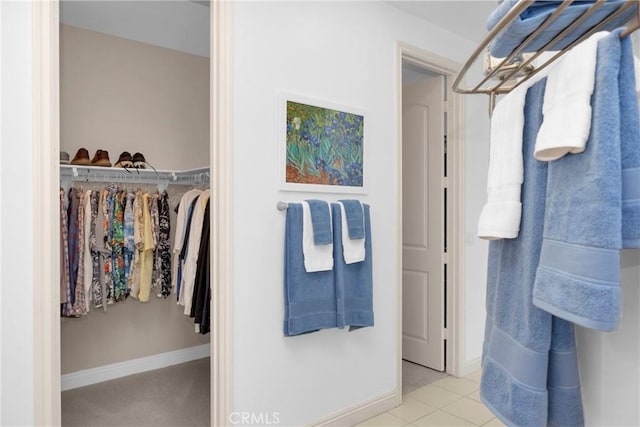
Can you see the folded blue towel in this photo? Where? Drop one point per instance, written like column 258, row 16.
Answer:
column 309, row 298
column 528, row 21
column 578, row 277
column 321, row 220
column 630, row 148
column 355, row 220
column 354, row 282
column 529, row 361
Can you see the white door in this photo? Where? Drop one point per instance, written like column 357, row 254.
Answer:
column 423, row 139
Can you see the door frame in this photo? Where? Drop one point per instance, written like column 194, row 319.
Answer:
column 455, row 305
column 46, row 178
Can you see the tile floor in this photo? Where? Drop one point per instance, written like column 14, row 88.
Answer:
column 448, row 402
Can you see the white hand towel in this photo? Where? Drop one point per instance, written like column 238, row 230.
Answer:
column 316, row 257
column 500, row 217
column 567, row 102
column 352, row 249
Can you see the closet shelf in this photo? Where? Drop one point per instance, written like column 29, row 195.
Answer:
column 75, row 173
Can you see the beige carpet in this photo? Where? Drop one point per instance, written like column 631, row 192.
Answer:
column 174, row 396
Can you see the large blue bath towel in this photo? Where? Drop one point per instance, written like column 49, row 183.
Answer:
column 354, row 282
column 630, row 149
column 529, row 21
column 578, row 277
column 530, row 372
column 309, row 298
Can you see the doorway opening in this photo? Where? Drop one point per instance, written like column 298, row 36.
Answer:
column 47, row 366
column 430, row 282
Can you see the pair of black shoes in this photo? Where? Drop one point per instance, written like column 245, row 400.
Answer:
column 127, row 161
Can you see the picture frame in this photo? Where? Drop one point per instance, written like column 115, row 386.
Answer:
column 322, row 146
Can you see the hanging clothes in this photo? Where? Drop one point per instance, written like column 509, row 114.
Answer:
column 105, row 202
column 72, row 215
column 117, row 245
column 121, row 244
column 96, row 286
column 191, row 255
column 129, row 242
column 146, row 254
column 185, row 210
column 138, row 235
column 65, row 279
column 79, row 308
column 155, row 231
column 88, row 258
column 164, row 245
column 202, row 281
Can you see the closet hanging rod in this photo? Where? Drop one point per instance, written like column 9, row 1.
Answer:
column 513, row 70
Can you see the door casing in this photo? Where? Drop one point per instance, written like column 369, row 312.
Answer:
column 455, row 207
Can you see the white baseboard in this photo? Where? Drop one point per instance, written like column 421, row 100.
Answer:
column 362, row 411
column 134, row 366
column 471, row 366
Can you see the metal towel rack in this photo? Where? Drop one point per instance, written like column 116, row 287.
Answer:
column 510, row 72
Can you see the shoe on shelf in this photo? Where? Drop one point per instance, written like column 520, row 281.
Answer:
column 64, row 158
column 124, row 161
column 139, row 161
column 81, row 158
column 101, row 158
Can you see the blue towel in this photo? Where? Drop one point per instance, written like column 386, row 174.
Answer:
column 355, row 220
column 578, row 277
column 309, row 298
column 321, row 220
column 354, row 282
column 530, row 371
column 528, row 21
column 630, row 149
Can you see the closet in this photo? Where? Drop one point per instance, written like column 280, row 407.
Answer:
column 134, row 77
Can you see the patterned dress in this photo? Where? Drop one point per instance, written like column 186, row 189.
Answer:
column 79, row 306
column 107, row 212
column 129, row 242
column 155, row 232
column 134, row 277
column 164, row 246
column 117, row 247
column 96, row 287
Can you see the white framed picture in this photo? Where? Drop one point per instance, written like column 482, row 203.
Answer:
column 322, row 146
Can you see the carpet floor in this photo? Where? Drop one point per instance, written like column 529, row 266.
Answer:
column 175, row 396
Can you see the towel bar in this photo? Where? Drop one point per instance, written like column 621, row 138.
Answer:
column 282, row 206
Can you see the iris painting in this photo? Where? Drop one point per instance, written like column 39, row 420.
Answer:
column 324, row 146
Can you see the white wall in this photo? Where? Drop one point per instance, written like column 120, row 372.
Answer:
column 181, row 25
column 345, row 53
column 476, row 250
column 2, row 121
column 122, row 95
column 16, row 309
column 610, row 361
